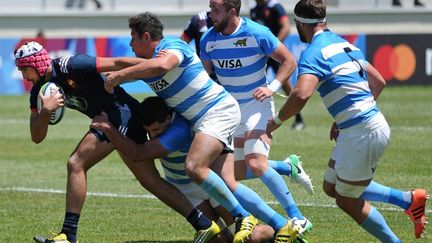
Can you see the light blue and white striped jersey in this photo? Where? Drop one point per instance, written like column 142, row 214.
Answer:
column 177, row 140
column 341, row 70
column 187, row 89
column 240, row 59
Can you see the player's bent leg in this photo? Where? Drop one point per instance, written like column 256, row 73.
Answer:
column 87, row 153
column 348, row 199
column 202, row 153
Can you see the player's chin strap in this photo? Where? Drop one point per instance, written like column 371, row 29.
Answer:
column 308, row 20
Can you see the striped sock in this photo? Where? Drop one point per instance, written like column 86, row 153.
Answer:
column 70, row 226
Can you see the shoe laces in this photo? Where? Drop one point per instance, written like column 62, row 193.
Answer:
column 242, row 224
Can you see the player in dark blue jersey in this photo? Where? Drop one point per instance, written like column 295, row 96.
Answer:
column 197, row 26
column 272, row 14
column 84, row 91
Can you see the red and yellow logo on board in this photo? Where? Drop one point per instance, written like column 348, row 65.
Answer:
column 395, row 62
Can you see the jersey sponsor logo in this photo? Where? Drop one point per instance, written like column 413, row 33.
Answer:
column 230, row 63
column 241, row 42
column 159, row 85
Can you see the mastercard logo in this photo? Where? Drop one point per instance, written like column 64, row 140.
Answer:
column 395, row 62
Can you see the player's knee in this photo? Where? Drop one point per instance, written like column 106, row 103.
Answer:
column 75, row 164
column 194, row 171
column 257, row 167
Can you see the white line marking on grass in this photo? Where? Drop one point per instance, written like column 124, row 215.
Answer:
column 148, row 196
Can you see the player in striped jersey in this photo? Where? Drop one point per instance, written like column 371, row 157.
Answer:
column 238, row 49
column 181, row 81
column 348, row 86
column 170, row 140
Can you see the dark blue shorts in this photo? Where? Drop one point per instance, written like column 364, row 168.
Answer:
column 124, row 116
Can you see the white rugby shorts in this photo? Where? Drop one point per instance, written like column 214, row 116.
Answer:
column 254, row 116
column 359, row 148
column 220, row 122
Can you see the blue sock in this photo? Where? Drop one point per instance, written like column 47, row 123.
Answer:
column 281, row 167
column 254, row 204
column 279, row 189
column 197, row 219
column 70, row 226
column 217, row 188
column 380, row 193
column 376, row 225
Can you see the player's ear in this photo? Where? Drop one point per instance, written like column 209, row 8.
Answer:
column 146, row 36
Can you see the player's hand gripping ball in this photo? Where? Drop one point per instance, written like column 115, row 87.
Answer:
column 46, row 90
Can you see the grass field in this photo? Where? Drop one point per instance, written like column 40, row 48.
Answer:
column 33, row 177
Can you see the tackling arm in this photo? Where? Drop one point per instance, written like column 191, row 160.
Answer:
column 134, row 152
column 145, row 69
column 107, row 64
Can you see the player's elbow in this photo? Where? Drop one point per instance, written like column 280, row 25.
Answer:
column 37, row 139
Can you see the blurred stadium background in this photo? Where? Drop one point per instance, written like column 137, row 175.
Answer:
column 397, row 40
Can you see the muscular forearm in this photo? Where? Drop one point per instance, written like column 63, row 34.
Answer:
column 124, row 145
column 39, row 125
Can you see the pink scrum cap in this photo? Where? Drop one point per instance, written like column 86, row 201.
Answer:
column 32, row 54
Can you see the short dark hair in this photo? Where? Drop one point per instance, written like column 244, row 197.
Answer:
column 229, row 4
column 147, row 22
column 311, row 9
column 153, row 109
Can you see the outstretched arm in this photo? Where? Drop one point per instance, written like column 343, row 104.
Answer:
column 134, row 152
column 146, row 68
column 108, row 64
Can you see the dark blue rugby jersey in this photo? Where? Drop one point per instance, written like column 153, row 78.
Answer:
column 269, row 14
column 82, row 84
column 198, row 25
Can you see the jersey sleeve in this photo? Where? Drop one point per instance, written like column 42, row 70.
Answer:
column 312, row 62
column 267, row 41
column 79, row 63
column 177, row 137
column 191, row 29
column 280, row 11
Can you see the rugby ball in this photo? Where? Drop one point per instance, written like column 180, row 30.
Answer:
column 47, row 89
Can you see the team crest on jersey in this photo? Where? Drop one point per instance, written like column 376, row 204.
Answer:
column 159, row 85
column 76, row 102
column 240, row 42
column 230, row 63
